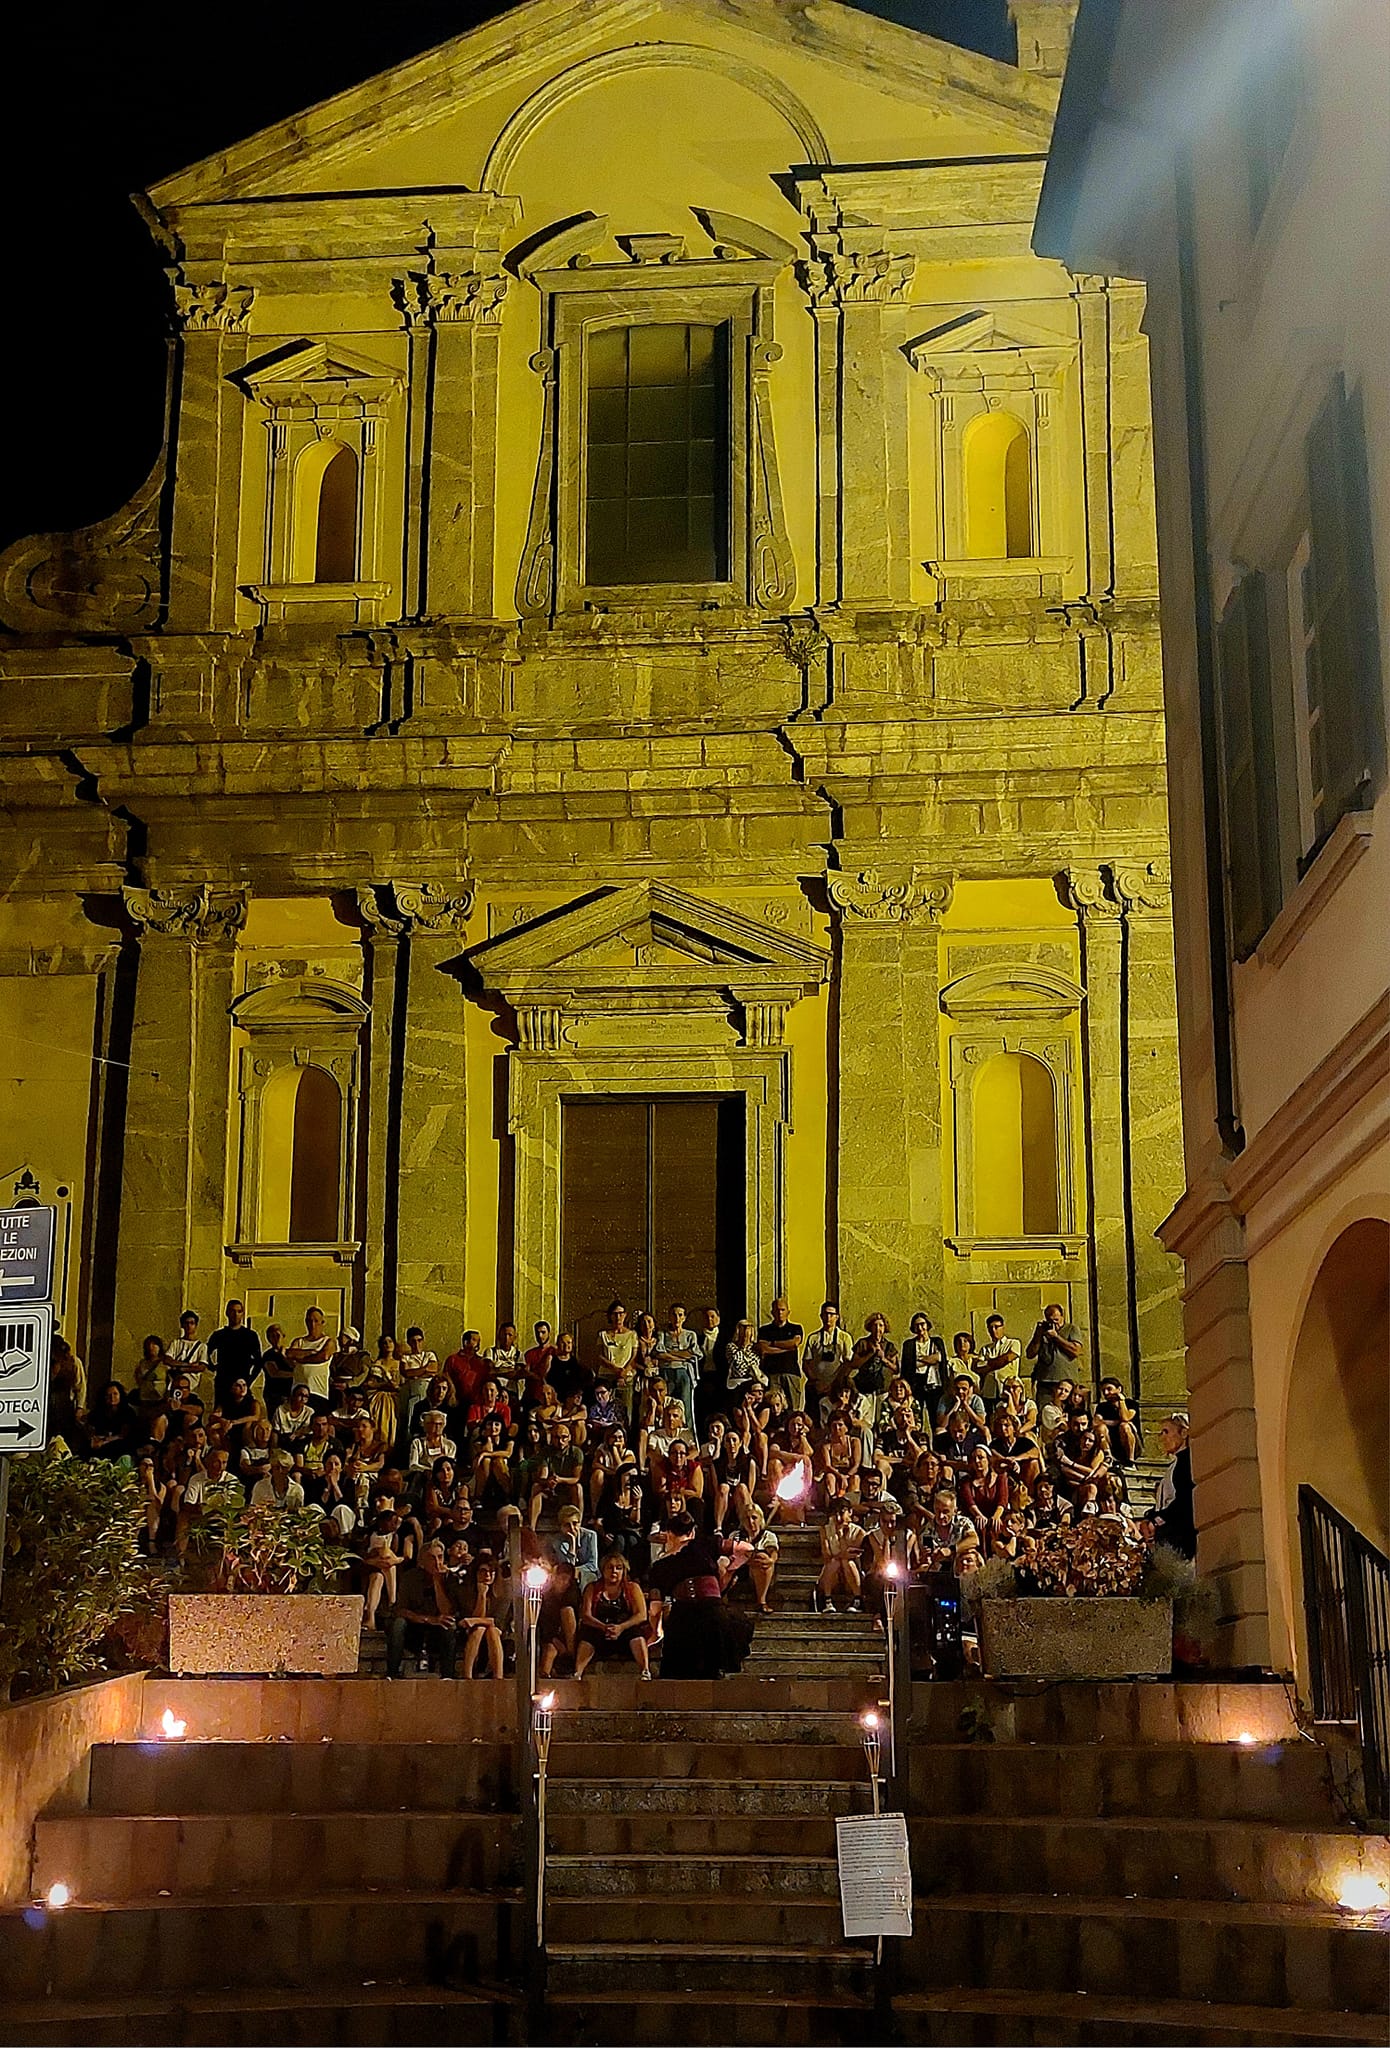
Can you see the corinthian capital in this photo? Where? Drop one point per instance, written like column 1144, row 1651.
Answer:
column 195, row 913
column 400, row 907
column 216, row 308
column 453, row 298
column 875, row 898
column 849, row 277
column 1144, row 890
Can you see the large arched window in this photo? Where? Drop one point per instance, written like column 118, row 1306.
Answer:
column 301, row 1157
column 1015, row 1163
column 998, row 488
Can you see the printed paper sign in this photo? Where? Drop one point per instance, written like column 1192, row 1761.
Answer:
column 875, row 1874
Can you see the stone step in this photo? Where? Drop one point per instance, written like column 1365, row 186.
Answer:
column 727, row 1876
column 708, row 1836
column 655, row 1797
column 674, row 1920
column 1216, row 1781
column 740, row 2018
column 382, row 2015
column 695, row 1967
column 300, row 1777
column 775, row 1663
column 765, row 1761
column 1174, row 1857
column 600, row 1723
column 320, row 1943
column 1035, row 2018
column 1090, row 1710
column 1265, row 1954
column 218, row 1855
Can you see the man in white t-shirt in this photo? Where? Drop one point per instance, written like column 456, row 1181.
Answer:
column 188, row 1351
column 1000, row 1358
column 278, row 1488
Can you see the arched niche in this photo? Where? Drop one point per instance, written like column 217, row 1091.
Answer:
column 298, row 1072
column 997, row 455
column 325, row 539
column 1014, row 1163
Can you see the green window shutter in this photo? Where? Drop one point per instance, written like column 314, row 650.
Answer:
column 1249, row 809
column 1345, row 636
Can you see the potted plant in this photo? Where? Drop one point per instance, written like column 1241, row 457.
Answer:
column 1074, row 1607
column 73, row 1571
column 268, row 1606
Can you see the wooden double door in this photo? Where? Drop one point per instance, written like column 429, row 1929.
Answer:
column 653, row 1208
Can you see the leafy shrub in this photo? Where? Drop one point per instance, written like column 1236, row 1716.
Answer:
column 73, row 1567
column 265, row 1549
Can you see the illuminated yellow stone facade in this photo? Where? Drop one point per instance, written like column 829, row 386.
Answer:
column 356, row 808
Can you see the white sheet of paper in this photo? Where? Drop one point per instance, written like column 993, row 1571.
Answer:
column 875, row 1874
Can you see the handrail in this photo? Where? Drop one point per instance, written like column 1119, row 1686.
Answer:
column 528, row 1816
column 1346, row 1604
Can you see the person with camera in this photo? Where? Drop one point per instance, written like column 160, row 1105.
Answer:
column 1054, row 1347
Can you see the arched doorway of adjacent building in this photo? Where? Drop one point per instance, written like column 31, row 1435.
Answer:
column 1337, row 1421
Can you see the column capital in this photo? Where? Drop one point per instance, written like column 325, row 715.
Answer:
column 836, row 276
column 212, row 307
column 193, row 912
column 1144, row 891
column 435, row 908
column 1089, row 893
column 907, row 896
column 456, row 298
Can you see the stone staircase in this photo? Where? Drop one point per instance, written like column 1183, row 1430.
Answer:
column 794, row 1642
column 327, row 1861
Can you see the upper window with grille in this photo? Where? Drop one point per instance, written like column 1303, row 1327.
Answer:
column 656, row 485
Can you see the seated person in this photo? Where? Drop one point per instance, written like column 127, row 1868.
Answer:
column 837, row 1462
column 954, row 1444
column 677, row 1483
column 491, row 1402
column 294, row 1419
column 947, row 1537
column 575, row 1545
column 841, row 1543
column 613, row 1619
column 421, row 1621
column 557, row 1625
column 753, row 1549
column 961, row 1394
column 381, row 1561
column 482, row 1616
column 431, row 1443
column 327, row 1490
column 1049, row 1510
column 446, row 1509
column 492, row 1468
column 1080, row 1456
column 1014, row 1452
column 566, row 1482
column 984, row 1491
column 439, row 1393
column 1117, row 1422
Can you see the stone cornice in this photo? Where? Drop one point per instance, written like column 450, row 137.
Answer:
column 1355, row 1070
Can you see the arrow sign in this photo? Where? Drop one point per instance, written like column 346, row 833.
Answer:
column 26, row 1349
column 19, row 1429
column 26, row 1254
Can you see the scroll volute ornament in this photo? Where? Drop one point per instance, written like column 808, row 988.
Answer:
column 875, row 898
column 200, row 915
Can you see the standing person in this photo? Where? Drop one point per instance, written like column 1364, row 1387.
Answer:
column 678, row 1354
column 538, row 1360
column 1000, row 1358
column 190, row 1353
column 825, row 1359
column 234, row 1353
column 309, row 1357
column 467, row 1369
column 1174, row 1518
column 713, row 1387
column 687, row 1601
column 508, row 1363
column 1054, row 1347
column 151, row 1375
column 617, row 1348
column 277, row 1374
column 779, row 1347
column 924, row 1361
column 418, row 1367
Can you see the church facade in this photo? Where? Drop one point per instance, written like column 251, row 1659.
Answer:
column 620, row 750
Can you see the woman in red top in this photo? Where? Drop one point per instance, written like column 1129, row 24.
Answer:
column 984, row 1491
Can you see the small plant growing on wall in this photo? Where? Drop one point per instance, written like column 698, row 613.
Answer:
column 265, row 1550
column 73, row 1568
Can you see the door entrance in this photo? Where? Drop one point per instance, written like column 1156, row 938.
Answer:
column 652, row 1208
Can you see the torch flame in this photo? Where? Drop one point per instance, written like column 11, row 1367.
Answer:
column 793, row 1485
column 171, row 1725
column 536, row 1577
column 545, row 1702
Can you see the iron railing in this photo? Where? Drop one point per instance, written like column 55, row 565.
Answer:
column 1346, row 1602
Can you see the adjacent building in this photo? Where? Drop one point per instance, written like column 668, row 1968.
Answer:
column 1238, row 159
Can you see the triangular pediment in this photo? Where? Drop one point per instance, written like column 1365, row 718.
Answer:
column 318, row 364
column 366, row 139
column 983, row 332
column 645, row 935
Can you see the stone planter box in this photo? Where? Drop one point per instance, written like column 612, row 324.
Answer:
column 1052, row 1638
column 264, row 1634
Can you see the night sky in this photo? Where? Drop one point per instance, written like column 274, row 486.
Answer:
column 107, row 98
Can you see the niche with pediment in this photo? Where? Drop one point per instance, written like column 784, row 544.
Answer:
column 298, row 1072
column 328, row 415
column 1004, row 430
column 1014, row 1054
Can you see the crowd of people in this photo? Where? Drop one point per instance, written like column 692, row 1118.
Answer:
column 649, row 1471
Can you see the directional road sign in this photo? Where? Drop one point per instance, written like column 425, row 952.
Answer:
column 26, row 1341
column 26, row 1255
